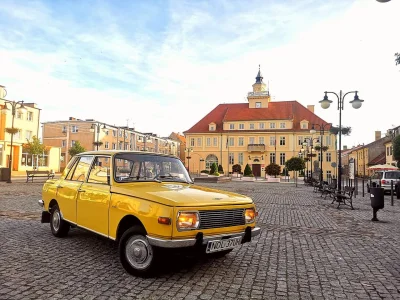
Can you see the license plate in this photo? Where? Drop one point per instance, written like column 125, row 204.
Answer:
column 221, row 245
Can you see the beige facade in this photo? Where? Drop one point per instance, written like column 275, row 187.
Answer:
column 27, row 122
column 93, row 135
column 256, row 133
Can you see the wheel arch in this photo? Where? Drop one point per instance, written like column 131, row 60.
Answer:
column 52, row 203
column 127, row 222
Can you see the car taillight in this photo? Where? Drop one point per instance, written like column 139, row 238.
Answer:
column 383, row 181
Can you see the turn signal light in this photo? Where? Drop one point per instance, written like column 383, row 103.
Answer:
column 164, row 220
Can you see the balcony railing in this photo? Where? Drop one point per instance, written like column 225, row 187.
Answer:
column 256, row 147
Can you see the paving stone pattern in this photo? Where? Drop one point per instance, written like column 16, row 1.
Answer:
column 308, row 249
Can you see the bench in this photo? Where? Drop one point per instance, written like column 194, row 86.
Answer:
column 344, row 196
column 31, row 174
column 328, row 189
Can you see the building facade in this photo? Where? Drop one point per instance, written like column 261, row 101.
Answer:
column 26, row 122
column 95, row 135
column 258, row 133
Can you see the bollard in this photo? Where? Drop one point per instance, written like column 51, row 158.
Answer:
column 363, row 187
column 391, row 193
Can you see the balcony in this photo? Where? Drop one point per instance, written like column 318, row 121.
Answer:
column 256, row 147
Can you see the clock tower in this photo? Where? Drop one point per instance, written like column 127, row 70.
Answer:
column 259, row 97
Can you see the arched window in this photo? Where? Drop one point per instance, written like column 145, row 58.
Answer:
column 256, row 160
column 211, row 158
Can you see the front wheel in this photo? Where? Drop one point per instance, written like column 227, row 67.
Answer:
column 137, row 256
column 58, row 226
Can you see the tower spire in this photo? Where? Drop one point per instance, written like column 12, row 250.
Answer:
column 259, row 77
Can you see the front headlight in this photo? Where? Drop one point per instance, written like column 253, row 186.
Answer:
column 187, row 220
column 250, row 215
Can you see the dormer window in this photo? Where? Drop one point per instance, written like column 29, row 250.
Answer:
column 212, row 126
column 304, row 124
column 231, row 126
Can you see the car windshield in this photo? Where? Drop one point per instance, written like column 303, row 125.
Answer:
column 392, row 175
column 133, row 167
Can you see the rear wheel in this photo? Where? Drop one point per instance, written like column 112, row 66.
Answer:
column 137, row 256
column 58, row 226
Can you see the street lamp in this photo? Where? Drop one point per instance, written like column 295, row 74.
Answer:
column 14, row 106
column 96, row 126
column 304, row 152
column 356, row 103
column 188, row 156
column 321, row 133
column 306, row 143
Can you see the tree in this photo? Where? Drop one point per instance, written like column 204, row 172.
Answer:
column 295, row 164
column 213, row 168
column 34, row 147
column 247, row 171
column 396, row 149
column 273, row 169
column 220, row 169
column 236, row 168
column 76, row 149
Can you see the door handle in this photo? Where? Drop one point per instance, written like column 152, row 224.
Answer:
column 81, row 191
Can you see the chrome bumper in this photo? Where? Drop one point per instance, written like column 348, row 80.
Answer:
column 191, row 242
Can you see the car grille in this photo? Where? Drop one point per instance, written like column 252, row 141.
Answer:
column 221, row 218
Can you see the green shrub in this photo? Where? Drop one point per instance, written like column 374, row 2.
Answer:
column 247, row 171
column 220, row 169
column 216, row 174
column 213, row 168
column 273, row 169
column 205, row 171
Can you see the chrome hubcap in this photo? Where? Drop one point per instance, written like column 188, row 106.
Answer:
column 56, row 220
column 138, row 252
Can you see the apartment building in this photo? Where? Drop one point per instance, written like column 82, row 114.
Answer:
column 24, row 118
column 257, row 133
column 391, row 134
column 96, row 135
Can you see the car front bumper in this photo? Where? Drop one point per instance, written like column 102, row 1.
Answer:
column 200, row 240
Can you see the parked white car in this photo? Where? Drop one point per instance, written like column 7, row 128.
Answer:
column 383, row 179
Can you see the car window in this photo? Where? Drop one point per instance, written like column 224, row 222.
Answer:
column 71, row 167
column 100, row 171
column 377, row 175
column 392, row 175
column 82, row 168
column 140, row 167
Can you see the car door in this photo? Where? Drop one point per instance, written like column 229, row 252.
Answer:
column 94, row 197
column 68, row 188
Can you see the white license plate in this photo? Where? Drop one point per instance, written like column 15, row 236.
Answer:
column 221, row 245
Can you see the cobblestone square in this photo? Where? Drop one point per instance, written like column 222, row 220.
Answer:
column 308, row 249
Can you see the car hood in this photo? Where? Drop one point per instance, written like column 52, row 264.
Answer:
column 180, row 194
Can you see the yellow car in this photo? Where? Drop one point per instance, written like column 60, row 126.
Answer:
column 146, row 202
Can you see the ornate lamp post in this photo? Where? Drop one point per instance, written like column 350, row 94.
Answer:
column 304, row 152
column 321, row 133
column 188, row 150
column 15, row 105
column 96, row 128
column 309, row 142
column 356, row 103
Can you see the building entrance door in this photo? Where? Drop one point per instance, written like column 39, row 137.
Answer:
column 256, row 170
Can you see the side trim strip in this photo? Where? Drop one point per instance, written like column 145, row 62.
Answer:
column 83, row 227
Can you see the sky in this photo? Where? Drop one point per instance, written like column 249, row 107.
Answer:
column 161, row 66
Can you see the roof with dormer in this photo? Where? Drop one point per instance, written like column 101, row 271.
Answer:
column 232, row 112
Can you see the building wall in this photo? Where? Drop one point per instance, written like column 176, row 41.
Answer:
column 200, row 151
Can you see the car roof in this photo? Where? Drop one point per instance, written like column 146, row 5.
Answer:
column 114, row 152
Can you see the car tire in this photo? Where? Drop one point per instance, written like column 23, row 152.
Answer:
column 221, row 254
column 58, row 226
column 136, row 254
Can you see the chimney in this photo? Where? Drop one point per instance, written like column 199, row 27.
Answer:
column 310, row 108
column 344, row 148
column 378, row 135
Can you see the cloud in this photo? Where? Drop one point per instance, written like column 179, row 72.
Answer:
column 164, row 65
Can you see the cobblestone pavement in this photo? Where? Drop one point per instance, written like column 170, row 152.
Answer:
column 308, row 249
